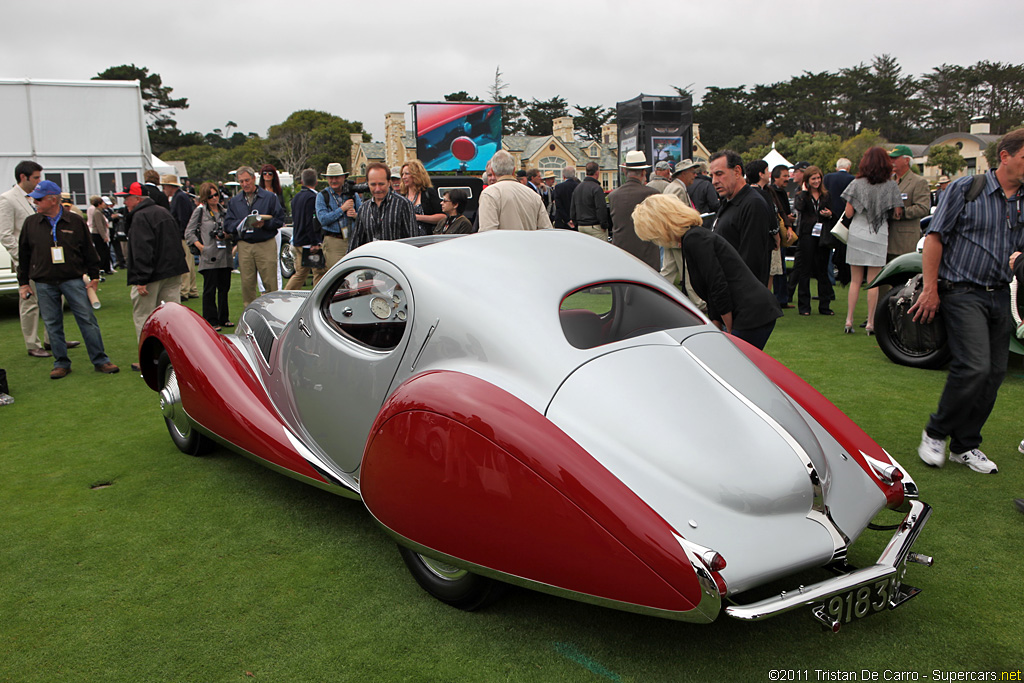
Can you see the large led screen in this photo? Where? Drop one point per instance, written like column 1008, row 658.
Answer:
column 458, row 137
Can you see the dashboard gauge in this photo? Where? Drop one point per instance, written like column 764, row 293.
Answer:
column 380, row 307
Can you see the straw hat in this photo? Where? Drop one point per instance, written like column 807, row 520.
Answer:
column 334, row 170
column 635, row 160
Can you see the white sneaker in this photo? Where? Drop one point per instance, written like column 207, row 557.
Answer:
column 976, row 460
column 1020, row 447
column 932, row 451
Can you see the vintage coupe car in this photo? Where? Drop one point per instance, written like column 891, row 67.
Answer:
column 543, row 409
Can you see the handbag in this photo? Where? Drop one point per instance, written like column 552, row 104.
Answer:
column 841, row 232
column 789, row 236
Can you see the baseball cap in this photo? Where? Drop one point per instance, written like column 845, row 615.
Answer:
column 44, row 189
column 900, row 151
column 801, row 165
column 135, row 190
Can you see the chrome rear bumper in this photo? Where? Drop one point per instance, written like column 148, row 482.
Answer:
column 890, row 563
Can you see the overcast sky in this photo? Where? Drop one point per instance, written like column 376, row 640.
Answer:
column 359, row 60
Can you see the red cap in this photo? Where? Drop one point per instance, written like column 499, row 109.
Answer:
column 135, row 189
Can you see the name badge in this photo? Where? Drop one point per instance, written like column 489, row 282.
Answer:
column 816, row 230
column 903, row 196
column 57, row 254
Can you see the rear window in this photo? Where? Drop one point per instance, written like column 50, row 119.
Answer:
column 612, row 311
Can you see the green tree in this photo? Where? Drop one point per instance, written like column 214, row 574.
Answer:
column 590, row 119
column 157, row 104
column 460, row 96
column 947, row 158
column 309, row 138
column 992, row 154
column 540, row 114
column 725, row 113
column 854, row 148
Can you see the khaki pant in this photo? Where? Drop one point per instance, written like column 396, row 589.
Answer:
column 261, row 257
column 672, row 267
column 168, row 289
column 298, row 279
column 594, row 231
column 188, row 280
column 28, row 312
column 334, row 248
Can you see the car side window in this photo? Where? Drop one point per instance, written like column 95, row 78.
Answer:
column 368, row 306
column 612, row 311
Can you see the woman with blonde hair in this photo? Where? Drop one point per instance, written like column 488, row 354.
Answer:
column 419, row 190
column 737, row 302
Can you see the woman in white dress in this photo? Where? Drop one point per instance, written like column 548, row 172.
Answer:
column 871, row 200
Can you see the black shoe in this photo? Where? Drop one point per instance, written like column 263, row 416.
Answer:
column 826, row 311
column 864, row 324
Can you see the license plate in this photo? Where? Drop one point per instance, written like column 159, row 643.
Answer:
column 862, row 601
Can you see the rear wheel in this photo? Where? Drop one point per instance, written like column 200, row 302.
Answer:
column 451, row 584
column 889, row 319
column 183, row 434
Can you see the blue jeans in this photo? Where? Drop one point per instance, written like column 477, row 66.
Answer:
column 978, row 327
column 53, row 317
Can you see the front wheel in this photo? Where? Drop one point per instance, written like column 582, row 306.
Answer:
column 450, row 584
column 287, row 258
column 906, row 342
column 183, row 434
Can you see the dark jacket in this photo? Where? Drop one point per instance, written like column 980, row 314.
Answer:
column 156, row 193
column 835, row 183
column 563, row 200
column 588, row 206
column 154, row 245
column 454, row 225
column 181, row 208
column 621, row 202
column 745, row 221
column 305, row 231
column 34, row 257
column 703, row 194
column 719, row 276
column 266, row 203
column 808, row 217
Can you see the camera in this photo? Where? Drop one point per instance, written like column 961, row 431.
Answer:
column 351, row 188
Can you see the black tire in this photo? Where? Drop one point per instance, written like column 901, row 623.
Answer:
column 286, row 258
column 452, row 585
column 892, row 346
column 184, row 435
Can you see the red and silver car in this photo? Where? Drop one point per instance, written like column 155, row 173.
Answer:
column 543, row 409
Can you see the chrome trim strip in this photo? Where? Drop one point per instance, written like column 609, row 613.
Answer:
column 426, row 339
column 889, row 563
column 705, row 612
column 819, row 511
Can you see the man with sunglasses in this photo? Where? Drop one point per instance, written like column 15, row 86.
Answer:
column 55, row 250
column 972, row 244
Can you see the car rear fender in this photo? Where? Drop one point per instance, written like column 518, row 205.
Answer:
column 459, row 468
column 899, row 270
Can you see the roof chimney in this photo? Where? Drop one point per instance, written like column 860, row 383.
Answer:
column 980, row 126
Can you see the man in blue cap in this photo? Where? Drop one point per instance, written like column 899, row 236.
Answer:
column 55, row 250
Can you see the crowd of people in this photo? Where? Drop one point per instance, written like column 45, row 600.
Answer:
column 719, row 231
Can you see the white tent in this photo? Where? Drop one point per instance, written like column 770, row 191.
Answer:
column 775, row 159
column 89, row 136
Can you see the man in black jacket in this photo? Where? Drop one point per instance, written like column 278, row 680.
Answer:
column 181, row 207
column 155, row 265
column 306, row 233
column 588, row 211
column 744, row 218
column 55, row 250
column 563, row 197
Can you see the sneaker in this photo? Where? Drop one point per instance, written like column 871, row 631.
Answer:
column 932, row 451
column 107, row 368
column 1020, row 447
column 976, row 460
column 6, row 399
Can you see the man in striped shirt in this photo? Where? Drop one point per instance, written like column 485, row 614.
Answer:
column 389, row 216
column 968, row 251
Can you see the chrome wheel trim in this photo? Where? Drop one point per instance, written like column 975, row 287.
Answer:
column 442, row 570
column 170, row 405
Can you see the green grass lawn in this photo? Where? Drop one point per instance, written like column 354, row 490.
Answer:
column 123, row 560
